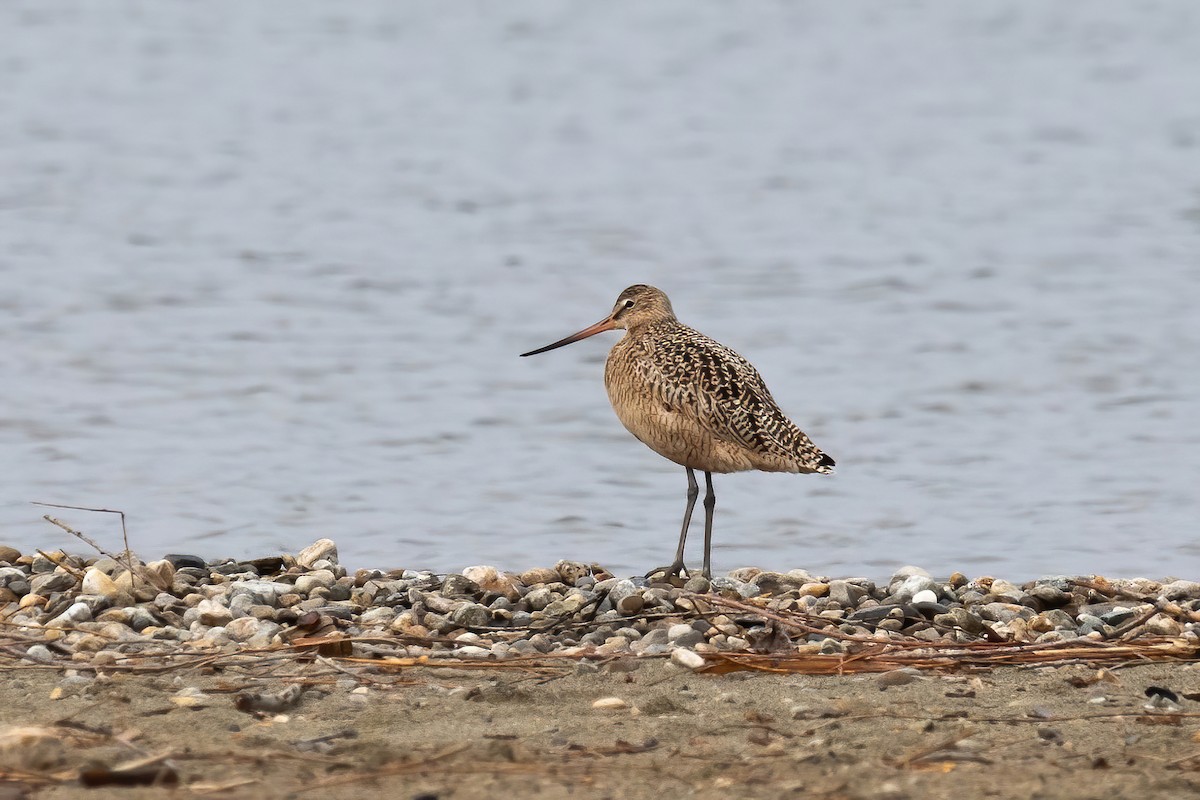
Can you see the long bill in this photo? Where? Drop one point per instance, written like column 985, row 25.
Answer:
column 606, row 324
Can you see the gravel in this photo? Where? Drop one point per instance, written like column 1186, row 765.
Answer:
column 86, row 609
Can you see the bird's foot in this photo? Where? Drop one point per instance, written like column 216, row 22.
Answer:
column 675, row 574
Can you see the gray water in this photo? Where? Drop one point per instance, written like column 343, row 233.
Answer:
column 265, row 269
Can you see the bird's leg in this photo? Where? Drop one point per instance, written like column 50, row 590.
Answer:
column 692, row 493
column 710, row 502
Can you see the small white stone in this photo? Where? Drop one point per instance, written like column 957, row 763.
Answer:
column 473, row 651
column 322, row 549
column 688, row 659
column 610, row 704
column 925, row 596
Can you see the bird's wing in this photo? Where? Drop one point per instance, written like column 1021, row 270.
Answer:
column 710, row 383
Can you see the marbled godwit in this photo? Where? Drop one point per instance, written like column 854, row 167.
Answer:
column 694, row 401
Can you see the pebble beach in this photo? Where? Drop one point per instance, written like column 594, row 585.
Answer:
column 96, row 610
column 568, row 674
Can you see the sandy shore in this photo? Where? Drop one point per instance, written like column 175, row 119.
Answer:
column 531, row 730
column 288, row 676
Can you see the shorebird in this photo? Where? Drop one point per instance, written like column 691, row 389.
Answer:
column 694, row 401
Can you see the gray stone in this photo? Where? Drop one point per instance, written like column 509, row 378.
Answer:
column 240, row 605
column 1118, row 615
column 831, row 646
column 655, row 597
column 39, row 652
column 1181, row 590
column 904, row 573
column 1162, row 625
column 141, row 618
column 9, row 574
column 75, row 614
column 538, row 598
column 566, row 606
column 523, row 647
column 774, row 582
column 927, row 635
column 265, row 593
column 960, row 618
column 1092, row 624
column 321, row 578
column 741, row 588
column 905, row 589
column 542, row 642
column 1005, row 591
column 1059, row 619
column 460, row 586
column 42, row 565
column 1003, row 612
column 802, row 576
column 846, row 594
column 1048, row 596
column 47, row 583
column 880, row 612
column 471, row 615
column 655, row 636
column 377, row 616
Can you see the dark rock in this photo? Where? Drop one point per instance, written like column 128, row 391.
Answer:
column 960, row 618
column 1118, row 615
column 876, row 613
column 50, row 582
column 929, row 609
column 181, row 560
column 271, row 565
column 460, row 586
column 1047, row 596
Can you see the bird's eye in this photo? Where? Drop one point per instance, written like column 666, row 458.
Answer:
column 628, row 304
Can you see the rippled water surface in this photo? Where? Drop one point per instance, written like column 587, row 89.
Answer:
column 265, row 269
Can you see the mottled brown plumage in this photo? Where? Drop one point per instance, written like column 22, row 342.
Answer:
column 694, row 401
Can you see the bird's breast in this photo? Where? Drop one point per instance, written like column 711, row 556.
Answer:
column 665, row 416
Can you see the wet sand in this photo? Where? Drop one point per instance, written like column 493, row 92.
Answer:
column 533, row 731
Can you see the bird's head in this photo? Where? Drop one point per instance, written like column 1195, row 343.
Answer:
column 636, row 306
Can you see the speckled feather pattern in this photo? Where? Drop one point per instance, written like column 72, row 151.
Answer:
column 697, row 402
